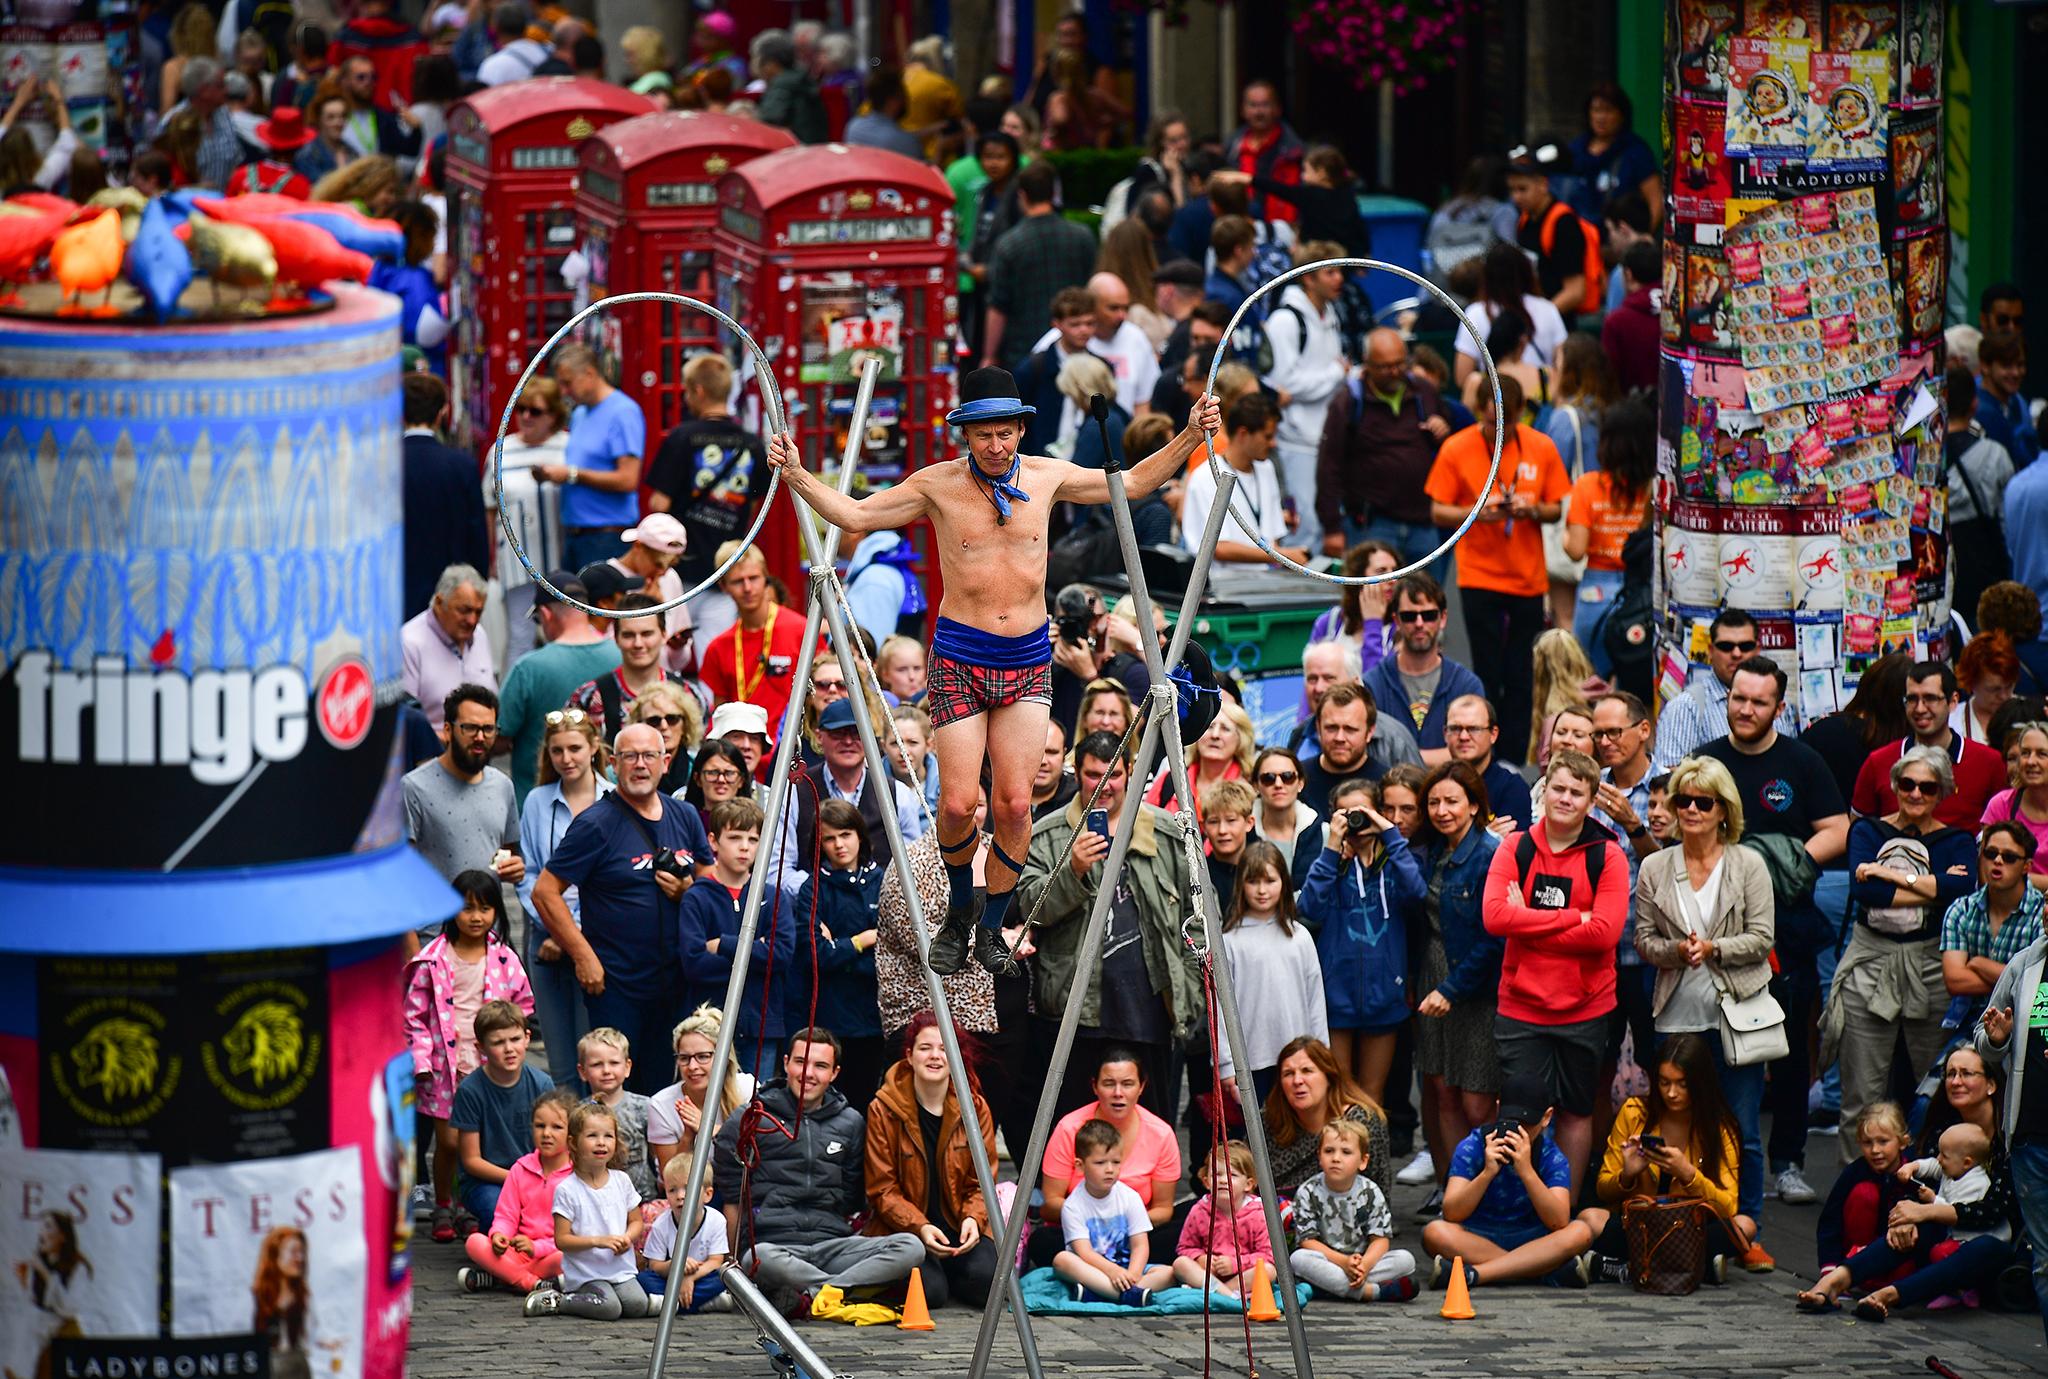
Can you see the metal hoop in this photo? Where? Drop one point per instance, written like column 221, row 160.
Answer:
column 1485, row 361
column 771, row 405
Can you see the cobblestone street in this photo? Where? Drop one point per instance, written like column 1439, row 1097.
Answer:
column 1748, row 1328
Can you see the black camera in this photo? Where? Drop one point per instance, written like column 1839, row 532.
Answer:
column 1503, row 1128
column 666, row 862
column 1074, row 615
column 1357, row 821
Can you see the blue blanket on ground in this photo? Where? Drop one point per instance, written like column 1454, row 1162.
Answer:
column 1046, row 1295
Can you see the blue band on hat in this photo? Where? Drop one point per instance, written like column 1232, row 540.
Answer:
column 988, row 409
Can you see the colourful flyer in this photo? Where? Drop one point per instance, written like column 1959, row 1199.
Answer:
column 1846, row 96
column 1767, row 80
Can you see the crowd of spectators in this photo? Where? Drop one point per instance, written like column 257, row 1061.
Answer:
column 1486, row 920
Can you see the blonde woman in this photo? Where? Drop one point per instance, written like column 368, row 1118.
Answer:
column 676, row 1115
column 1081, row 377
column 1706, row 921
column 193, row 34
column 677, row 716
column 1105, row 708
column 370, row 184
column 568, row 779
column 1562, row 677
column 540, row 436
column 647, row 57
column 1224, row 752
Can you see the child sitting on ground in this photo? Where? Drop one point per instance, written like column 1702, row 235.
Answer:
column 520, row 1249
column 1956, row 1174
column 1107, row 1230
column 1864, row 1194
column 1343, row 1223
column 604, row 1060
column 1508, row 1203
column 492, row 1113
column 1224, row 1238
column 597, row 1224
column 707, row 1250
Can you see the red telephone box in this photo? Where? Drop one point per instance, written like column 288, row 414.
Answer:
column 511, row 176
column 830, row 255
column 646, row 202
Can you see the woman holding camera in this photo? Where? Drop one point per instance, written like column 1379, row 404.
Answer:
column 1678, row 1141
column 1706, row 921
column 1360, row 892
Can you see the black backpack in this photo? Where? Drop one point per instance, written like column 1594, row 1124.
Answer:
column 1525, row 861
column 1628, row 629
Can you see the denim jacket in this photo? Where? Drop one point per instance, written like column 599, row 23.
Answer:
column 1472, row 954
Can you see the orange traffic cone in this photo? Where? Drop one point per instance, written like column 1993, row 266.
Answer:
column 1263, row 1308
column 916, row 1316
column 1458, row 1298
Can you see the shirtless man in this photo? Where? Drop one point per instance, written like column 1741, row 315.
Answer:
column 991, row 671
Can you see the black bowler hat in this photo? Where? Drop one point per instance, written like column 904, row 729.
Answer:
column 988, row 395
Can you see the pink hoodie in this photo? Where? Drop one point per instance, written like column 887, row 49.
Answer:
column 1242, row 1235
column 526, row 1204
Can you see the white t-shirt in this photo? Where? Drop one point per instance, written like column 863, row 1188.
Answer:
column 1256, row 494
column 1695, row 1005
column 1131, row 359
column 1108, row 1224
column 1549, row 332
column 708, row 1241
column 665, row 1125
column 606, row 1210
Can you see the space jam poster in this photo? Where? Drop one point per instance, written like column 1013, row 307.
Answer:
column 210, row 1057
column 1767, row 82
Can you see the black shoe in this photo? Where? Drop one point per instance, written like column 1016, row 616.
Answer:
column 992, row 952
column 948, row 951
column 1432, row 1207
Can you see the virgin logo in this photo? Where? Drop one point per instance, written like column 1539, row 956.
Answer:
column 345, row 703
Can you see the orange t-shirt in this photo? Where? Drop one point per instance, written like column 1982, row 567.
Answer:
column 1505, row 557
column 1593, row 507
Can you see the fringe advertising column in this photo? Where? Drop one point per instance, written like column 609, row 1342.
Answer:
column 203, row 878
column 1800, row 462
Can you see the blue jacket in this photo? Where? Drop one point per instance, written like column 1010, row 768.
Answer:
column 1360, row 920
column 706, row 911
column 1472, row 954
column 846, row 977
column 1391, row 696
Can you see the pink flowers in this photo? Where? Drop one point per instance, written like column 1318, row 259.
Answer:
column 1404, row 43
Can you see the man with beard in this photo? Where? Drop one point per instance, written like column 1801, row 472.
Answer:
column 1347, row 721
column 1700, row 715
column 630, row 856
column 1418, row 676
column 459, row 809
column 1324, row 664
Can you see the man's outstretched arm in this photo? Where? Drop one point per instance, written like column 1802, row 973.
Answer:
column 1143, row 478
column 891, row 509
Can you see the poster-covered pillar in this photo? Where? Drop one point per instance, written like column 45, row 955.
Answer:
column 1800, row 465
column 204, row 1086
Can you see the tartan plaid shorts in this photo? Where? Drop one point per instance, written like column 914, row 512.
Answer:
column 958, row 690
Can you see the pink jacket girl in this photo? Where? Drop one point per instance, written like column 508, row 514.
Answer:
column 439, row 1014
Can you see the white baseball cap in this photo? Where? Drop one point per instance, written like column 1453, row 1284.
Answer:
column 658, row 530
column 739, row 718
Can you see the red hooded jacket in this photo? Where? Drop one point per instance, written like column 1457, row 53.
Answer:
column 1558, row 966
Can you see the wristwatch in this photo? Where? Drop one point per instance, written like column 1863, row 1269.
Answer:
column 1639, row 830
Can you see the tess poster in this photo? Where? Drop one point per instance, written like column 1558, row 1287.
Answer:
column 274, row 1250
column 78, row 1250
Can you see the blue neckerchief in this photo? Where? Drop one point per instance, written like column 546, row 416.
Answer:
column 1001, row 491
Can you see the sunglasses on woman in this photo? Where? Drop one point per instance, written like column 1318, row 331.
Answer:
column 1279, row 777
column 1909, row 786
column 665, row 720
column 558, row 717
column 1702, row 803
column 534, row 412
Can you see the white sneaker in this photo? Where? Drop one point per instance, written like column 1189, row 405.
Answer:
column 1421, row 1169
column 1793, row 1189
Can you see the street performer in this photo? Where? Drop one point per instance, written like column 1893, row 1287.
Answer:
column 991, row 674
